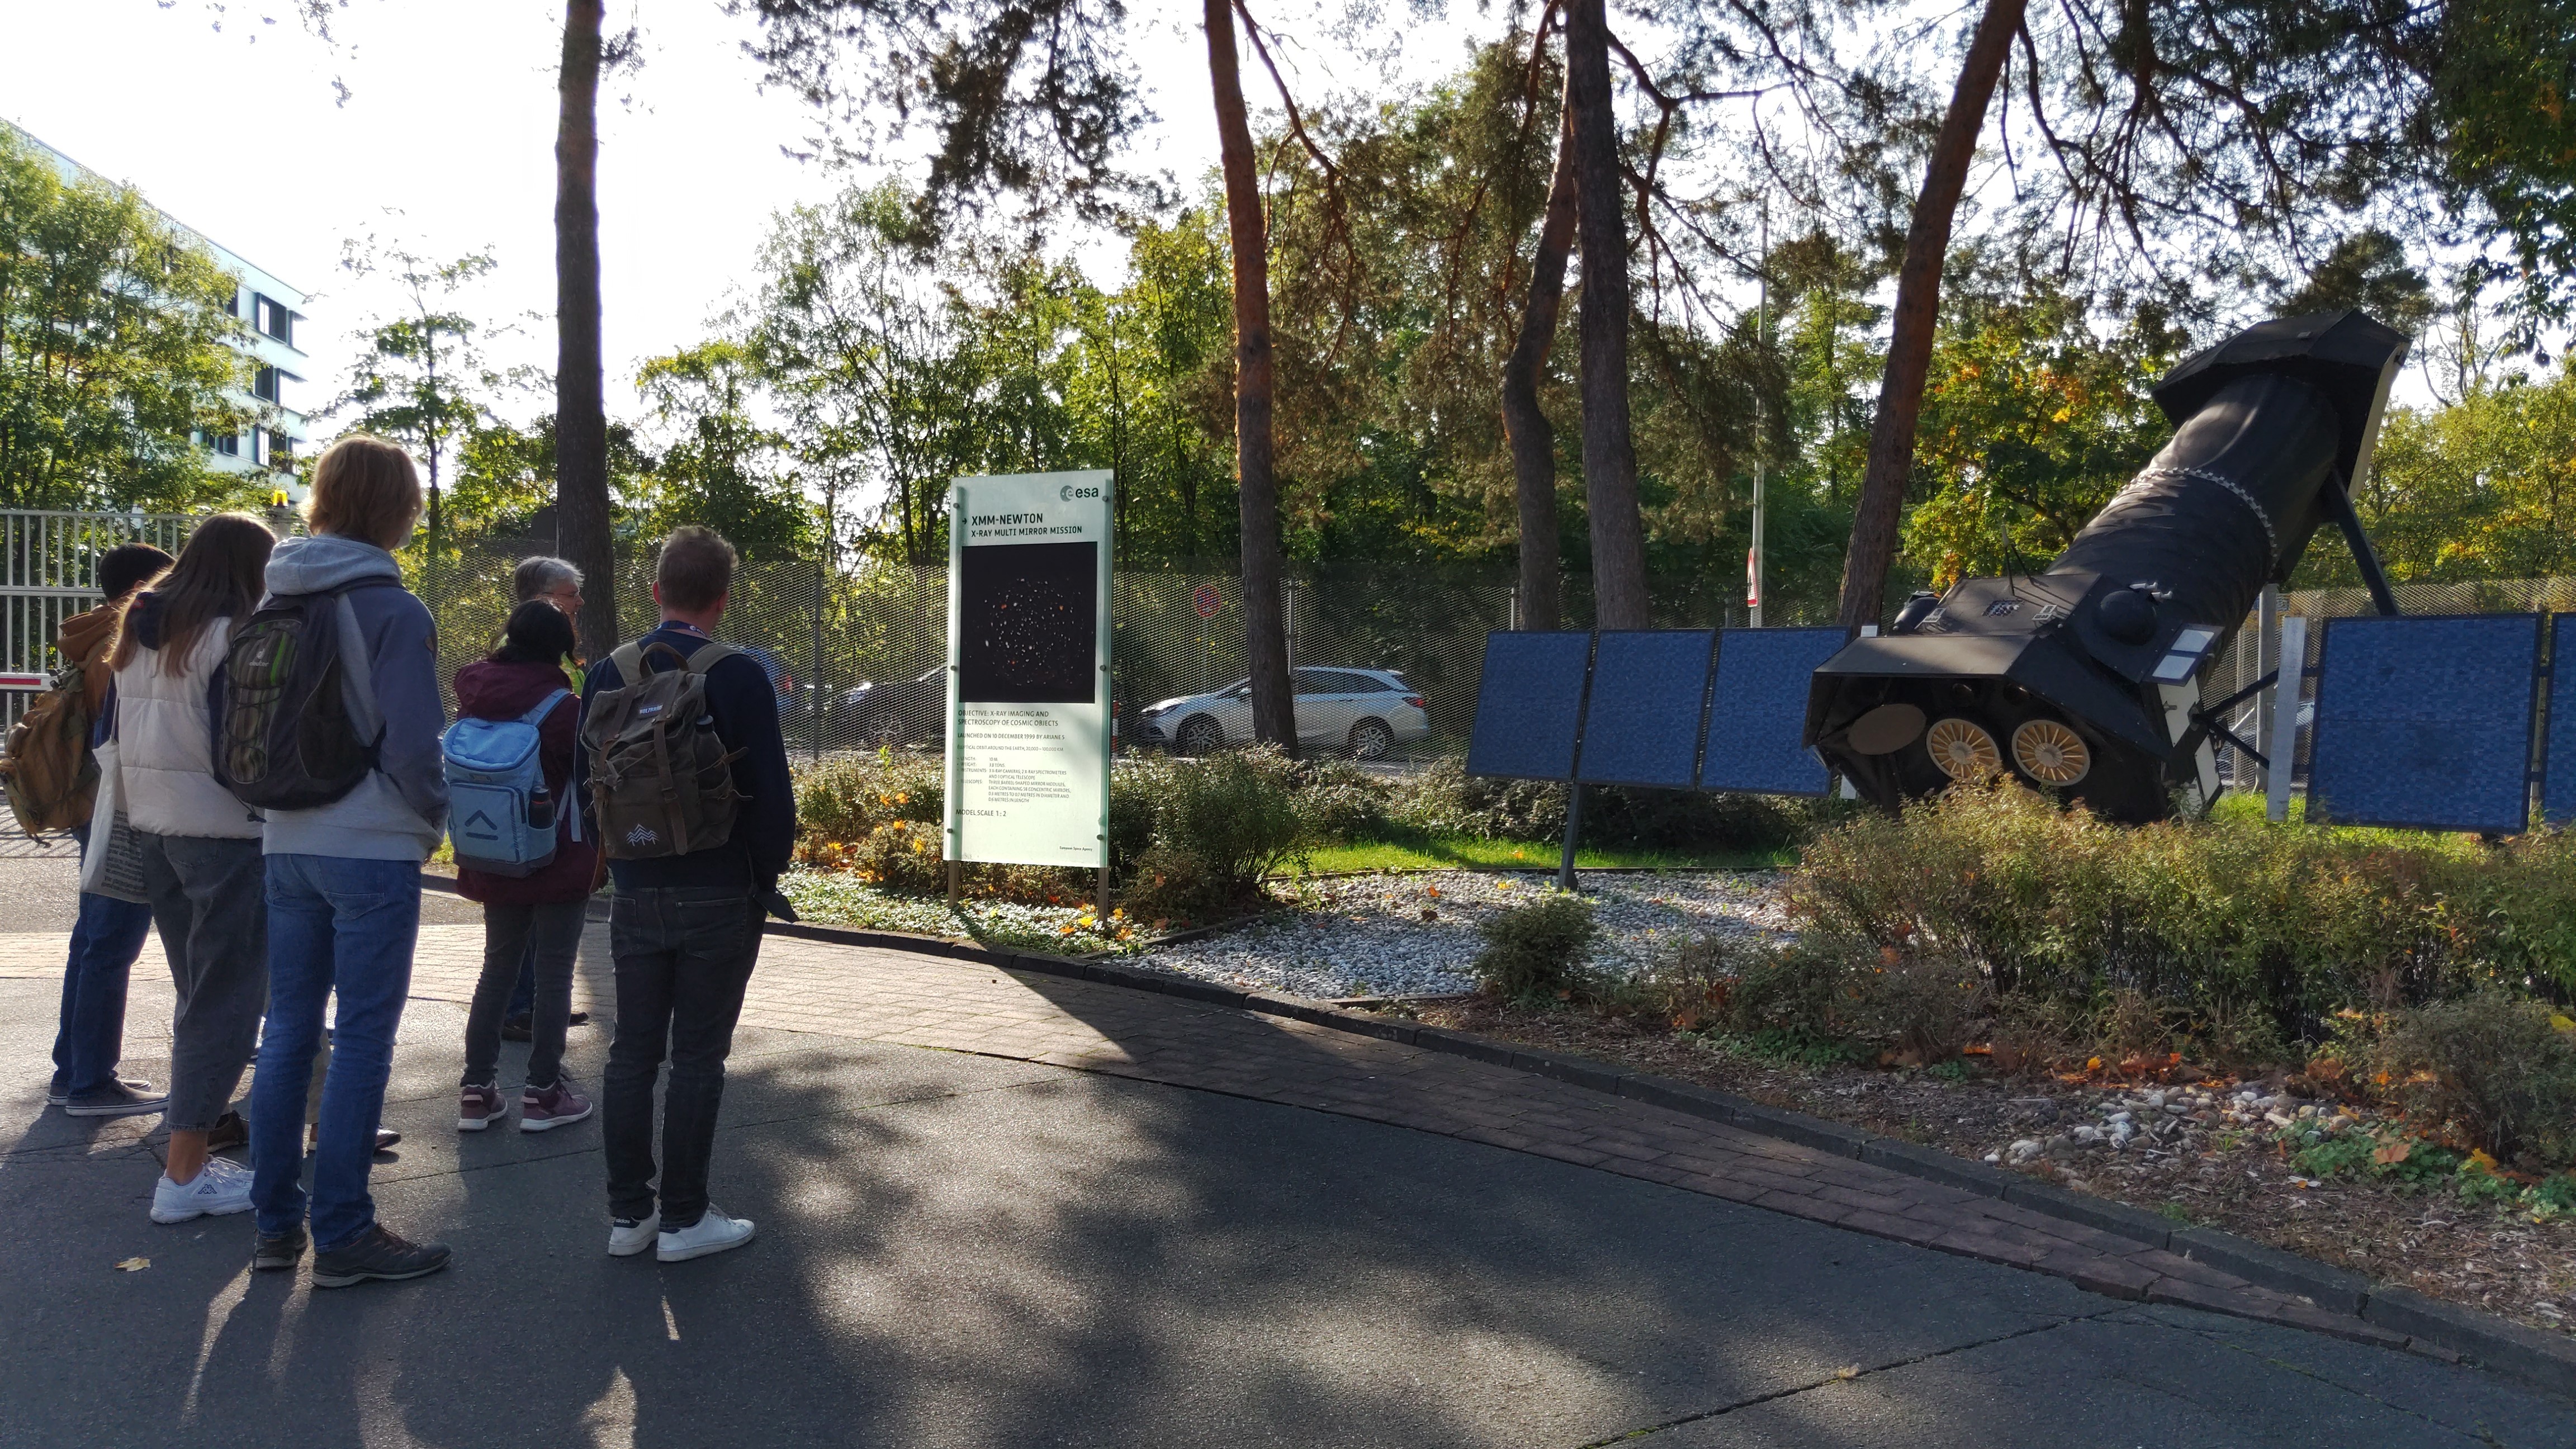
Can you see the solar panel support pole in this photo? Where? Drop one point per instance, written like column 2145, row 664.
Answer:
column 2365, row 558
column 2283, row 748
column 1573, row 828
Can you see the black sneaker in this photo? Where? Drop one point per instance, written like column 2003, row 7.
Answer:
column 283, row 1250
column 578, row 1018
column 518, row 1028
column 377, row 1253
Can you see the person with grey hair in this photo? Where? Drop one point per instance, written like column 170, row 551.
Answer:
column 541, row 576
column 546, row 577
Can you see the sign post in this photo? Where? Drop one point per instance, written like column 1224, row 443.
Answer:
column 1028, row 671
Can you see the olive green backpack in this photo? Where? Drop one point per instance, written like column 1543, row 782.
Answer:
column 661, row 780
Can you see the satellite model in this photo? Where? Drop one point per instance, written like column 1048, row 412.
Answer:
column 2085, row 678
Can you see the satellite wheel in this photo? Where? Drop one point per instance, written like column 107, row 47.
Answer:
column 1963, row 750
column 2050, row 753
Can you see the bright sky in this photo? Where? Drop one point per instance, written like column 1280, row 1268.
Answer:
column 451, row 124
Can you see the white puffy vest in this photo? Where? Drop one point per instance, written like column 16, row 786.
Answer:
column 165, row 739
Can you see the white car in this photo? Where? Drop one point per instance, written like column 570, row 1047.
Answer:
column 1364, row 711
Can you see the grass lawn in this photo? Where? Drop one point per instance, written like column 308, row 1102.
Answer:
column 1450, row 852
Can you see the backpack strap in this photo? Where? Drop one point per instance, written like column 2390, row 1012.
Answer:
column 628, row 660
column 545, row 706
column 357, row 673
column 708, row 655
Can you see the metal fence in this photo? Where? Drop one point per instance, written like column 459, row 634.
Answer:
column 855, row 650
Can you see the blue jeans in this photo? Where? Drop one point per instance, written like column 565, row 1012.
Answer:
column 349, row 926
column 105, row 940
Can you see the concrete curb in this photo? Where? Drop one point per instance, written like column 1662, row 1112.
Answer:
column 2442, row 1330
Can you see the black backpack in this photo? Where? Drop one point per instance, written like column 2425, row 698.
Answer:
column 288, row 739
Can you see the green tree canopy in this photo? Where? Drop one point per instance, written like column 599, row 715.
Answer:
column 116, row 334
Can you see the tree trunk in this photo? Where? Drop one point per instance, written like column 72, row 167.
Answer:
column 581, row 421
column 1274, row 719
column 1609, row 453
column 1533, row 438
column 1881, row 505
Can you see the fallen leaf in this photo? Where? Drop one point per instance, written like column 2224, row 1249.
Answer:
column 1848, row 1372
column 134, row 1265
column 2394, row 1152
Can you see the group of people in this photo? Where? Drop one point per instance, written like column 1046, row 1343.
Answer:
column 267, row 913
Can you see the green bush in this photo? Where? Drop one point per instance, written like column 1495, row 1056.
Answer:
column 2493, row 1065
column 1444, row 799
column 1236, row 813
column 1920, row 1006
column 1340, row 801
column 903, row 856
column 1537, row 953
column 2209, row 922
column 841, row 802
column 1172, row 887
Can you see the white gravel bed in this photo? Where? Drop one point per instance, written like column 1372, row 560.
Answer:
column 1414, row 935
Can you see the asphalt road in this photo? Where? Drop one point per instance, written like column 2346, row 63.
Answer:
column 964, row 1251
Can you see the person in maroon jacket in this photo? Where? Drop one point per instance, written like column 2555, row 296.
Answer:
column 538, row 914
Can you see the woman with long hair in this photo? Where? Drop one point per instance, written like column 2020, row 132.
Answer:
column 537, row 916
column 201, row 847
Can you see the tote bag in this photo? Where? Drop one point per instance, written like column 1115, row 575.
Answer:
column 113, row 866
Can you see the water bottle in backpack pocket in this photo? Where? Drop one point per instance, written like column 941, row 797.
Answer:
column 499, row 812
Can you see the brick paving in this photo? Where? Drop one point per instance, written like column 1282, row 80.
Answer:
column 905, row 999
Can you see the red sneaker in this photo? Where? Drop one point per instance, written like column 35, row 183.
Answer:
column 480, row 1107
column 560, row 1105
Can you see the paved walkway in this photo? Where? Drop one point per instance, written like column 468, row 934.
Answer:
column 1003, row 1242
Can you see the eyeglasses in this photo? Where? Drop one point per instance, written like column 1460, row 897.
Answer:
column 559, row 596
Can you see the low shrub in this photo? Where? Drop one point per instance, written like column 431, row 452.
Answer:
column 1172, row 887
column 1236, row 813
column 1538, row 953
column 901, row 855
column 841, row 802
column 1443, row 799
column 2496, row 1067
column 2209, row 923
column 1689, row 983
column 1340, row 801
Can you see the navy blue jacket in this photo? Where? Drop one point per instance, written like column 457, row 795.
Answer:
column 745, row 709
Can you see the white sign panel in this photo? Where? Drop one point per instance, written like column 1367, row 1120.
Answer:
column 1028, row 669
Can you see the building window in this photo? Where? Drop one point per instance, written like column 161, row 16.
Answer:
column 271, row 317
column 228, row 444
column 276, row 449
column 232, row 303
column 264, row 384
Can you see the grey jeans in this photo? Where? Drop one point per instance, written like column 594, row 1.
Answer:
column 554, row 929
column 210, row 900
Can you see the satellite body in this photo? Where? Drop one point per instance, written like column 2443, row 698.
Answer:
column 2085, row 678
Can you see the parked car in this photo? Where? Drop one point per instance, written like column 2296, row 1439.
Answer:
column 1364, row 711
column 895, row 713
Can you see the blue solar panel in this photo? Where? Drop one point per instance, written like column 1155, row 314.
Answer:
column 2558, row 792
column 2425, row 722
column 1760, row 709
column 1528, row 706
column 1642, row 727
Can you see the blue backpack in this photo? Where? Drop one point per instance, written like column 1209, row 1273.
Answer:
column 499, row 812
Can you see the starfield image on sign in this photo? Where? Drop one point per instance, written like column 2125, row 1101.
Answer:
column 1027, row 616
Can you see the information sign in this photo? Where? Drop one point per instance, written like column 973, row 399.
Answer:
column 1028, row 669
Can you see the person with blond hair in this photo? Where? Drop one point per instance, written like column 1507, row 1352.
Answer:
column 200, row 847
column 344, row 876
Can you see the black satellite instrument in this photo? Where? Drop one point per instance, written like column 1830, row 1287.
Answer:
column 2085, row 678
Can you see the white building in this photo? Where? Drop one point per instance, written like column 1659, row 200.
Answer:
column 275, row 312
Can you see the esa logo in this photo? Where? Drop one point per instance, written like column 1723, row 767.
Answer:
column 1069, row 493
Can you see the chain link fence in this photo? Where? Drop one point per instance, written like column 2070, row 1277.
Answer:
column 856, row 652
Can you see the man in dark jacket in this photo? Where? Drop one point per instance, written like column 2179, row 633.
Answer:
column 684, row 930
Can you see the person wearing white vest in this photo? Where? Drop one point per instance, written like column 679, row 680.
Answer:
column 202, row 866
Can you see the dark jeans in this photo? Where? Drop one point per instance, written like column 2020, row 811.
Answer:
column 105, row 940
column 683, row 956
column 523, row 997
column 349, row 926
column 206, row 894
column 550, row 933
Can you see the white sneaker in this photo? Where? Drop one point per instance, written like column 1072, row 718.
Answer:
column 630, row 1236
column 223, row 1187
column 712, row 1233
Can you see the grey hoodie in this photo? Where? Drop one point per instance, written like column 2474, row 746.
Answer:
column 399, row 811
